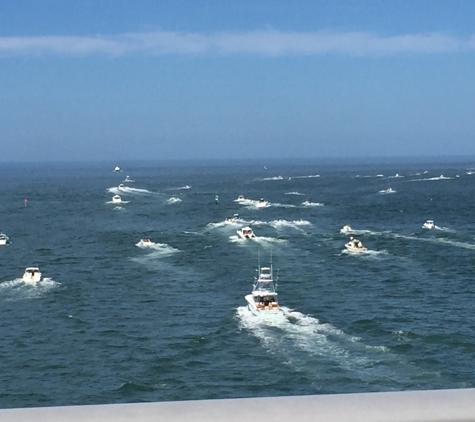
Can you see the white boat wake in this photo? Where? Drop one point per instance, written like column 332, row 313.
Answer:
column 272, row 178
column 280, row 224
column 441, row 177
column 121, row 202
column 311, row 176
column 118, row 191
column 158, row 248
column 312, row 204
column 259, row 239
column 17, row 289
column 305, row 344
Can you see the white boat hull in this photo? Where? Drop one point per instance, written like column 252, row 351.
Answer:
column 32, row 278
column 352, row 249
column 246, row 236
column 245, row 233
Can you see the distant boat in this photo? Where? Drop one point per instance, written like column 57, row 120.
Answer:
column 388, row 190
column 232, row 219
column 116, row 199
column 32, row 275
column 4, row 239
column 144, row 242
column 246, row 233
column 117, row 168
column 128, row 180
column 263, row 298
column 262, row 203
column 121, row 187
column 346, row 229
column 355, row 246
column 429, row 224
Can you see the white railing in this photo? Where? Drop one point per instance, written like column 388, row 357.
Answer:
column 410, row 406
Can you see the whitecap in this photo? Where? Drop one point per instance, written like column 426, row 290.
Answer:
column 294, row 193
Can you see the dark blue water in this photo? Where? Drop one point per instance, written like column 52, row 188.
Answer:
column 112, row 322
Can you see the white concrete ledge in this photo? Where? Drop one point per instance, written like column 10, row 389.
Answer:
column 410, row 406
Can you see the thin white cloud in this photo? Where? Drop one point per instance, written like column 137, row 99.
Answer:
column 269, row 42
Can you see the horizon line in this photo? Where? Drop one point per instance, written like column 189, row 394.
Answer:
column 271, row 43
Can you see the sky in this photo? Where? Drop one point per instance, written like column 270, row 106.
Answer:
column 211, row 79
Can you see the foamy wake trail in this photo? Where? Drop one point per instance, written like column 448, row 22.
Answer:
column 367, row 253
column 305, row 344
column 313, row 204
column 311, row 176
column 295, row 193
column 121, row 202
column 272, row 178
column 428, row 179
column 157, row 249
column 17, row 289
column 263, row 240
column 438, row 241
column 126, row 189
column 259, row 239
column 255, row 205
column 444, row 229
column 276, row 204
column 280, row 224
column 228, row 224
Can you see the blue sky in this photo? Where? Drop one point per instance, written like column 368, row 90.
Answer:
column 123, row 80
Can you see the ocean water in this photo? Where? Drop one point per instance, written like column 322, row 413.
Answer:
column 112, row 322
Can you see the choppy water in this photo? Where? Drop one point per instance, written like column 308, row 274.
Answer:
column 112, row 322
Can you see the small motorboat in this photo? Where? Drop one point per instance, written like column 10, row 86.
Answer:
column 262, row 203
column 355, row 246
column 240, row 198
column 128, row 179
column 145, row 242
column 246, row 233
column 307, row 202
column 346, row 229
column 4, row 239
column 263, row 298
column 116, row 199
column 429, row 224
column 388, row 190
column 32, row 275
column 121, row 187
column 233, row 219
column 117, row 168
